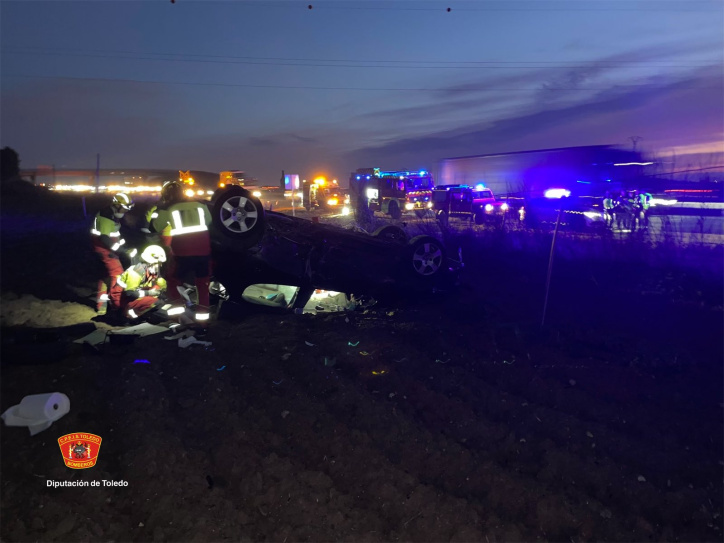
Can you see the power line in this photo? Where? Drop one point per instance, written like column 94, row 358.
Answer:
column 704, row 6
column 311, row 87
column 275, row 61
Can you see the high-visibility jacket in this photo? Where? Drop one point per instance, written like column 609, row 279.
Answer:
column 608, row 204
column 106, row 230
column 645, row 200
column 165, row 234
column 136, row 281
column 189, row 227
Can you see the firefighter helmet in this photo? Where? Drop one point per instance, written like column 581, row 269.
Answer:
column 153, row 254
column 172, row 191
column 122, row 201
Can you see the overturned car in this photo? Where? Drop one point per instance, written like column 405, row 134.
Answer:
column 278, row 260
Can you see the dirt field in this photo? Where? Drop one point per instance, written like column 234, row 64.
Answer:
column 453, row 417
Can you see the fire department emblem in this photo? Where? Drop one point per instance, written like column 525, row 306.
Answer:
column 80, row 450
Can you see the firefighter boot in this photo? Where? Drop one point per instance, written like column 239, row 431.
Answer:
column 102, row 301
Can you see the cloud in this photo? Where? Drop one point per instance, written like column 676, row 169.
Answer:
column 689, row 111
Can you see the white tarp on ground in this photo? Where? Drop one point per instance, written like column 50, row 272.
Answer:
column 97, row 337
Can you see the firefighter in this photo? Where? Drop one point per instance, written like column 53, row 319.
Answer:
column 108, row 244
column 164, row 236
column 623, row 210
column 643, row 203
column 608, row 206
column 142, row 285
column 190, row 246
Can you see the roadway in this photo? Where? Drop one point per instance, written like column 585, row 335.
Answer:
column 670, row 225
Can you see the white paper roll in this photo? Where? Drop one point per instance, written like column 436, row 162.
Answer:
column 44, row 407
column 37, row 411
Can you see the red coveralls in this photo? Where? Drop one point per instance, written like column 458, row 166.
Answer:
column 190, row 244
column 141, row 289
column 106, row 240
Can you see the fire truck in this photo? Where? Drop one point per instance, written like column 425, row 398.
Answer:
column 393, row 192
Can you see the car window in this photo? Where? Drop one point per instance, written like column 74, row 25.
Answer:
column 439, row 196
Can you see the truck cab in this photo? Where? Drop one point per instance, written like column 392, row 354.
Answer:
column 395, row 192
column 471, row 203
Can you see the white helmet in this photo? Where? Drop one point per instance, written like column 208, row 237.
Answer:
column 123, row 201
column 153, row 254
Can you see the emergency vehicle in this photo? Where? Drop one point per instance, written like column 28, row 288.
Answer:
column 471, row 203
column 327, row 195
column 392, row 192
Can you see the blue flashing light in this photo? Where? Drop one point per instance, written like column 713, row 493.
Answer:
column 608, row 180
column 584, row 182
column 358, row 178
column 557, row 193
column 422, row 172
column 479, row 186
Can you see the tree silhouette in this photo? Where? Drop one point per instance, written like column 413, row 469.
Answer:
column 9, row 164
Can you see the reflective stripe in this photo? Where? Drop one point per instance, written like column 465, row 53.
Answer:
column 180, row 229
column 132, row 314
column 104, row 297
column 118, row 244
column 176, row 310
column 111, row 235
column 121, row 283
column 202, row 316
column 154, row 215
column 134, row 253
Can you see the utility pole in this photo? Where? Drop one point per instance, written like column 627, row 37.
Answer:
column 98, row 172
column 634, row 141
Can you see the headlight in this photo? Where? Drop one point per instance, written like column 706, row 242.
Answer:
column 429, row 204
column 409, row 206
column 256, row 193
column 488, row 207
column 372, row 194
column 593, row 215
column 332, row 202
column 504, row 206
column 345, row 210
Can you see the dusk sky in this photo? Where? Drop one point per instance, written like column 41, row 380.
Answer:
column 271, row 85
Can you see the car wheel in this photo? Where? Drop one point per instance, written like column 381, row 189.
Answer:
column 427, row 257
column 394, row 211
column 391, row 232
column 239, row 215
column 443, row 218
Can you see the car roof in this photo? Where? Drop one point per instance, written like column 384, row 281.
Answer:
column 446, row 187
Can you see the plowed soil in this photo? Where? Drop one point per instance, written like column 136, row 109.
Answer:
column 450, row 417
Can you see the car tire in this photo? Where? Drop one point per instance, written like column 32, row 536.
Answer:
column 238, row 215
column 426, row 257
column 394, row 210
column 392, row 233
column 442, row 218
